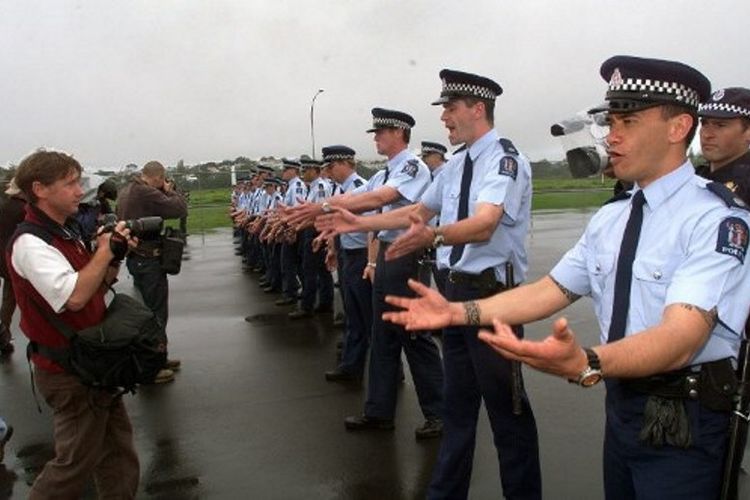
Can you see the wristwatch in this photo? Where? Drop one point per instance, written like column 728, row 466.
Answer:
column 438, row 240
column 592, row 374
column 326, row 207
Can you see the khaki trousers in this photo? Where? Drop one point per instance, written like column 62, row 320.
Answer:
column 93, row 436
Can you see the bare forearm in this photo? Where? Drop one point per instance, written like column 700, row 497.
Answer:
column 521, row 305
column 366, row 201
column 668, row 346
column 396, row 219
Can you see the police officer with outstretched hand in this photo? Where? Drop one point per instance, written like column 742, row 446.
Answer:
column 665, row 267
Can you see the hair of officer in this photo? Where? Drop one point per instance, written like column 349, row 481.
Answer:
column 489, row 107
column 45, row 167
column 671, row 110
column 407, row 135
column 153, row 170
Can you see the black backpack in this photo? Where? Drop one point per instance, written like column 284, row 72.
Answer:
column 125, row 350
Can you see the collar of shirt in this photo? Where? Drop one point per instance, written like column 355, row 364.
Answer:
column 399, row 158
column 664, row 187
column 482, row 143
column 437, row 171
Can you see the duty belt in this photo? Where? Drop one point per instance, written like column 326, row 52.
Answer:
column 485, row 279
column 713, row 384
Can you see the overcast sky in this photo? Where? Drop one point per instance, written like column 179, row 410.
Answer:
column 117, row 82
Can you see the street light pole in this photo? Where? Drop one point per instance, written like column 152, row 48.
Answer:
column 312, row 120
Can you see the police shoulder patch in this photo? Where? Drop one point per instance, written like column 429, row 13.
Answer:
column 733, row 238
column 508, row 166
column 411, row 168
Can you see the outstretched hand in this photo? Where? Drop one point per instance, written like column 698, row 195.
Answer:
column 559, row 354
column 302, row 214
column 418, row 236
column 427, row 311
column 338, row 220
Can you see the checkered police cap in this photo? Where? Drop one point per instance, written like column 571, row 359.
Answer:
column 732, row 102
column 637, row 83
column 290, row 163
column 433, row 147
column 337, row 153
column 310, row 163
column 460, row 84
column 389, row 118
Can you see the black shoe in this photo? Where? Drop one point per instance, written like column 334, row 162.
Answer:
column 340, row 344
column 338, row 320
column 431, row 428
column 365, row 423
column 285, row 301
column 328, row 308
column 341, row 376
column 300, row 314
column 271, row 289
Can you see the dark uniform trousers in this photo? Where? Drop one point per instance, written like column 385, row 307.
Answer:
column 273, row 264
column 388, row 339
column 474, row 372
column 633, row 469
column 357, row 293
column 290, row 268
column 316, row 279
column 151, row 282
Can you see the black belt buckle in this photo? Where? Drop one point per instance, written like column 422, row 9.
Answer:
column 486, row 279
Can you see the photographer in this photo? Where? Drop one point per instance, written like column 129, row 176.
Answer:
column 149, row 194
column 55, row 276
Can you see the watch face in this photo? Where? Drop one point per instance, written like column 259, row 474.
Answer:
column 590, row 379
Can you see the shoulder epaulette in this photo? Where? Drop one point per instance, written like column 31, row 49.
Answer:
column 508, row 146
column 622, row 195
column 726, row 195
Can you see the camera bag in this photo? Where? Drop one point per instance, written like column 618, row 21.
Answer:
column 172, row 246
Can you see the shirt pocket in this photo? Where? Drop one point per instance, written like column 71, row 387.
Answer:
column 651, row 278
column 600, row 267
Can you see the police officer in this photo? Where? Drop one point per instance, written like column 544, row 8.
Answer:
column 483, row 197
column 316, row 279
column 725, row 138
column 290, row 261
column 433, row 154
column 356, row 288
column 400, row 184
column 150, row 194
column 665, row 267
column 271, row 281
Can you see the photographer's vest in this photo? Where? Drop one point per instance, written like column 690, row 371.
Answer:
column 33, row 324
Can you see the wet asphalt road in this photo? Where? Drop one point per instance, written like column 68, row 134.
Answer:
column 251, row 416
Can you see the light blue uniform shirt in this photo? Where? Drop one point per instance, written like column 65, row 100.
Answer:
column 499, row 177
column 691, row 250
column 319, row 190
column 295, row 191
column 351, row 241
column 410, row 177
column 273, row 200
column 435, row 221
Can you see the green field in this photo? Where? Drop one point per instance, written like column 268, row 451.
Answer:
column 208, row 207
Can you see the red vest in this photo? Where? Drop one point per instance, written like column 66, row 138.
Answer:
column 33, row 324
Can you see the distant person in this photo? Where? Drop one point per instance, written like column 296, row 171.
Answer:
column 725, row 138
column 55, row 275
column 12, row 212
column 150, row 194
column 670, row 288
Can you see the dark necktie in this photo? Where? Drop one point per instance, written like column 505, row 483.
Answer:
column 385, row 179
column 463, row 204
column 624, row 276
